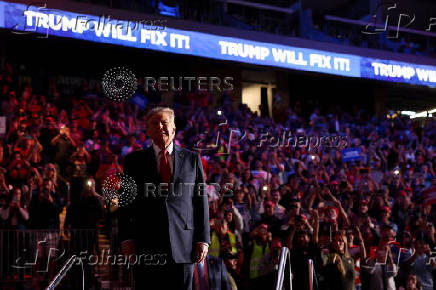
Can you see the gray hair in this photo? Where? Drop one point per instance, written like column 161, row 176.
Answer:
column 161, row 109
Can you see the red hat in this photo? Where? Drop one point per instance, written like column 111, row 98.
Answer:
column 402, row 193
column 264, row 226
column 364, row 201
column 335, row 209
column 276, row 243
column 386, row 209
column 303, row 216
column 269, row 203
column 334, row 182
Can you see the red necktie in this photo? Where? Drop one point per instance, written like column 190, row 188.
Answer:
column 165, row 169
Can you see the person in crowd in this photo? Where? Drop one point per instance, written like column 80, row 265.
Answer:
column 222, row 239
column 44, row 208
column 80, row 160
column 304, row 247
column 258, row 247
column 411, row 284
column 85, row 215
column 234, row 222
column 269, row 264
column 338, row 265
column 16, row 215
column 63, row 145
column 381, row 270
column 19, row 169
column 269, row 218
column 88, row 211
column 421, row 264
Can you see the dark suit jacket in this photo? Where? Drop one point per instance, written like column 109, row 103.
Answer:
column 177, row 220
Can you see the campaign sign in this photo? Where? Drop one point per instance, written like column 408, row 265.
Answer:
column 351, row 154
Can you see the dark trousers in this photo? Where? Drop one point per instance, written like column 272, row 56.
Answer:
column 159, row 271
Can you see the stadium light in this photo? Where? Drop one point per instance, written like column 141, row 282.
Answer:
column 422, row 114
column 408, row 113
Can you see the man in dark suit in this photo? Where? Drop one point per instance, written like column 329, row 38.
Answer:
column 167, row 225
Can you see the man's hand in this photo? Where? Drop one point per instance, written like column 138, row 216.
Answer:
column 201, row 250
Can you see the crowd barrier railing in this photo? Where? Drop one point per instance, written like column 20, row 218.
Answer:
column 34, row 256
column 284, row 273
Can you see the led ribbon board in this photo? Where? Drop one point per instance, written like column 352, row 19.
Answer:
column 47, row 22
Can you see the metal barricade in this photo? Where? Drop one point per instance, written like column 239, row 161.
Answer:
column 30, row 258
column 284, row 270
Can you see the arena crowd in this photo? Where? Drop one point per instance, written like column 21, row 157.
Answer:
column 365, row 222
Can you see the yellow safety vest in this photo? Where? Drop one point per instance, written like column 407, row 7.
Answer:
column 256, row 256
column 215, row 245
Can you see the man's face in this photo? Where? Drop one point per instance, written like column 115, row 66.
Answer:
column 422, row 247
column 385, row 215
column 51, row 170
column 294, row 208
column 363, row 208
column 222, row 228
column 229, row 216
column 406, row 239
column 381, row 256
column 276, row 196
column 332, row 214
column 47, row 186
column 269, row 210
column 387, row 234
column 411, row 282
column 303, row 240
column 161, row 128
column 263, row 234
